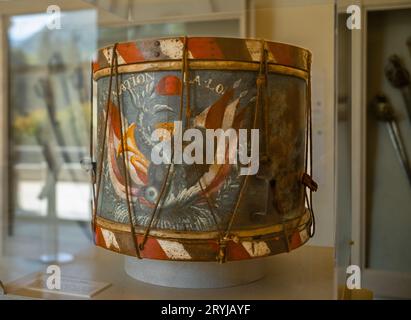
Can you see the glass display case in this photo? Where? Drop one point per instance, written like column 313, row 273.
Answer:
column 360, row 103
column 373, row 191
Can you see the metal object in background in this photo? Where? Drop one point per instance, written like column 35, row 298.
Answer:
column 44, row 90
column 202, row 212
column 58, row 69
column 385, row 113
column 399, row 77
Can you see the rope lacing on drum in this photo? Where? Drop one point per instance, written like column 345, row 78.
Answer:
column 96, row 194
column 91, row 150
column 261, row 82
column 170, row 167
column 97, row 177
column 306, row 178
column 126, row 169
column 209, row 200
column 224, row 237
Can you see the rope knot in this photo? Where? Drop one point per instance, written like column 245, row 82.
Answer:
column 309, row 182
column 222, row 250
column 260, row 80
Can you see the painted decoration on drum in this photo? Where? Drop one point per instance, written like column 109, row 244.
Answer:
column 152, row 101
column 218, row 98
column 202, row 211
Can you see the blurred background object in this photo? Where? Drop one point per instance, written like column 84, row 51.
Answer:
column 373, row 191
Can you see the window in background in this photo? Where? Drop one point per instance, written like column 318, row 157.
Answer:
column 49, row 96
column 49, row 114
column 221, row 28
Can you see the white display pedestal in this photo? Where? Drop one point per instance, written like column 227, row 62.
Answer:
column 179, row 274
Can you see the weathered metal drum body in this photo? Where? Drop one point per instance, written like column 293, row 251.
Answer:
column 206, row 212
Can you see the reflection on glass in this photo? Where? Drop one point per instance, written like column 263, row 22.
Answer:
column 219, row 28
column 49, row 93
column 388, row 217
column 343, row 109
column 49, row 96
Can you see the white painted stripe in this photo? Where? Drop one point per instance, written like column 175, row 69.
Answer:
column 107, row 52
column 120, row 58
column 271, row 57
column 228, row 117
column 303, row 235
column 229, row 113
column 254, row 48
column 110, row 239
column 256, row 248
column 174, row 250
column 199, row 121
column 172, row 48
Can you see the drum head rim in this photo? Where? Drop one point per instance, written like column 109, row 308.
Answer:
column 204, row 250
column 204, row 49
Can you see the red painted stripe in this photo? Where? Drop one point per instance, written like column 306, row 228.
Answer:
column 283, row 54
column 152, row 249
column 204, row 48
column 98, row 238
column 129, row 52
column 95, row 66
column 115, row 119
column 236, row 251
column 295, row 240
column 215, row 114
column 204, row 251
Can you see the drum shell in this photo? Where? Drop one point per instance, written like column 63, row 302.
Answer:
column 272, row 214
